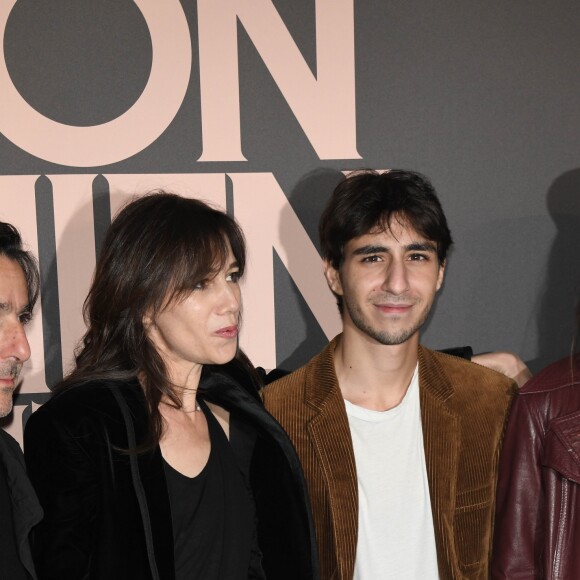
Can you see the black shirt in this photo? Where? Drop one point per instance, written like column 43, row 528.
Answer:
column 212, row 514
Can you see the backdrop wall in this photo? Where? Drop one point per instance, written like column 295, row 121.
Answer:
column 257, row 106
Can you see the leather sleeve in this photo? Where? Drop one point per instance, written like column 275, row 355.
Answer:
column 65, row 481
column 518, row 532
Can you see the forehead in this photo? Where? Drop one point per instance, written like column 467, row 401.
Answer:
column 398, row 234
column 13, row 290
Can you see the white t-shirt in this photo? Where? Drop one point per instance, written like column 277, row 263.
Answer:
column 396, row 539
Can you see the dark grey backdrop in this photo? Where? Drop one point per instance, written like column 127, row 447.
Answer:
column 483, row 97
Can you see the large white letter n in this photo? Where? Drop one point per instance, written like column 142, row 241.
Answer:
column 323, row 105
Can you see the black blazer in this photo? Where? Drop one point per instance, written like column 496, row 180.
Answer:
column 107, row 512
column 26, row 511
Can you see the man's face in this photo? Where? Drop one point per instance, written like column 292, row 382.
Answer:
column 388, row 282
column 14, row 349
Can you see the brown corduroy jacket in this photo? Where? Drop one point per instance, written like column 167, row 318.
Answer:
column 463, row 412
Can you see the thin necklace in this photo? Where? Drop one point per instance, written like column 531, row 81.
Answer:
column 197, row 408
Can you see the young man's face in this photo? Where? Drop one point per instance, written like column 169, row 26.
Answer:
column 388, row 281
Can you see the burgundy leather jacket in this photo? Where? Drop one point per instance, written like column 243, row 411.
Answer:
column 537, row 527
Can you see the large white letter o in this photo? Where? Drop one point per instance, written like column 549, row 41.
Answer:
column 124, row 136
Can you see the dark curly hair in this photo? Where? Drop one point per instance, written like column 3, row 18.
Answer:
column 11, row 247
column 366, row 200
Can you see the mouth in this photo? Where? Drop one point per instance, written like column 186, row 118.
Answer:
column 228, row 331
column 394, row 308
column 9, row 374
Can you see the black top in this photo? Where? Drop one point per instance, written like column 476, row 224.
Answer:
column 212, row 514
column 10, row 566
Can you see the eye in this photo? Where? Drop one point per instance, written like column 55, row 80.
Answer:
column 201, row 285
column 25, row 317
column 419, row 257
column 371, row 259
column 233, row 277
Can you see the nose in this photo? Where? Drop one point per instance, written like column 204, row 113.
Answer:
column 15, row 343
column 396, row 280
column 231, row 298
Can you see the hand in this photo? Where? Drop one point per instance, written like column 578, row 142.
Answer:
column 507, row 363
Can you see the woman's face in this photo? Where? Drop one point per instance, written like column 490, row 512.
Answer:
column 202, row 328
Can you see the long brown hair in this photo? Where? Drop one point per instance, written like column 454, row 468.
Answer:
column 157, row 249
column 575, row 347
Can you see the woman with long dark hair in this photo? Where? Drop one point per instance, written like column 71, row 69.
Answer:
column 155, row 458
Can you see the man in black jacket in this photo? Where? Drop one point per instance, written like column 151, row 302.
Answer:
column 19, row 507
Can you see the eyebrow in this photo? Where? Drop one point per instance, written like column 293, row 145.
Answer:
column 7, row 307
column 413, row 247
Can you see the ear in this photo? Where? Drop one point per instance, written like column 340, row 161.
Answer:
column 441, row 275
column 332, row 278
column 147, row 321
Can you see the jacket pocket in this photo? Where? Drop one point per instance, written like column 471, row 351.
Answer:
column 562, row 447
column 473, row 528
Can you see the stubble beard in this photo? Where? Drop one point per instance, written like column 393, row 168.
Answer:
column 5, row 402
column 384, row 337
column 8, row 370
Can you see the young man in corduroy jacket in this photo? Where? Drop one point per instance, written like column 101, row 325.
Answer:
column 399, row 444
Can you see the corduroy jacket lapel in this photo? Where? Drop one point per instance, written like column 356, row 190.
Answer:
column 331, row 438
column 441, row 439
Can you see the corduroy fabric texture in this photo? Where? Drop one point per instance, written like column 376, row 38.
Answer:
column 463, row 412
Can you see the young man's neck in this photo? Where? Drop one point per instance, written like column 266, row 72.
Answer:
column 373, row 375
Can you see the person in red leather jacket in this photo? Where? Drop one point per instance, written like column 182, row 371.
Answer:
column 537, row 526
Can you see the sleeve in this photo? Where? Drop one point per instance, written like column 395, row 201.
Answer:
column 519, row 531
column 65, row 480
column 465, row 352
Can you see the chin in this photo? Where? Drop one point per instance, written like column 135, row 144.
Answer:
column 222, row 358
column 5, row 408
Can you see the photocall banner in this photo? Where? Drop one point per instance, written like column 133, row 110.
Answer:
column 259, row 107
